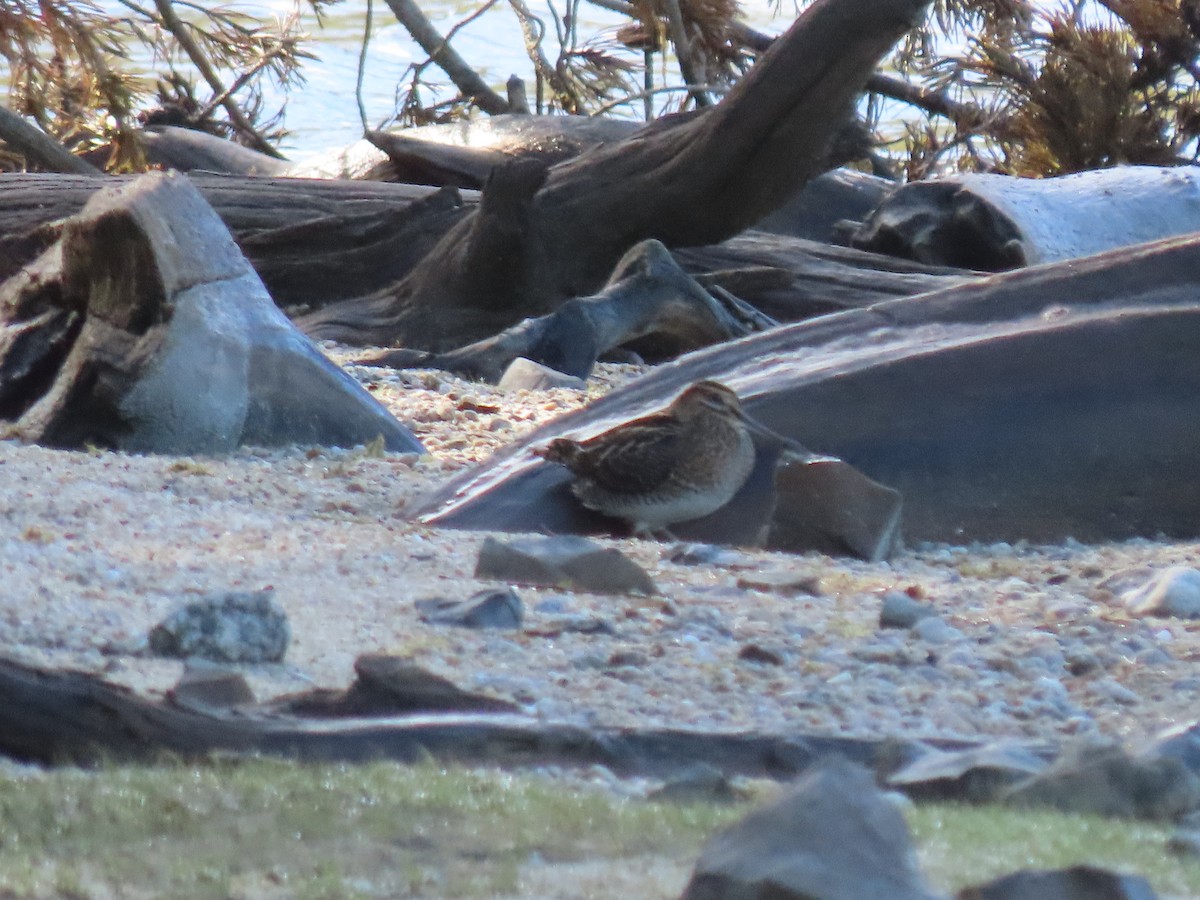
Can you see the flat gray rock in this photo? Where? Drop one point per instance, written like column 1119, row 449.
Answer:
column 1170, row 592
column 526, row 375
column 1102, row 779
column 976, row 775
column 901, row 611
column 392, row 686
column 491, row 608
column 208, row 687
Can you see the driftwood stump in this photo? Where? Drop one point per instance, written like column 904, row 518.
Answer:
column 144, row 328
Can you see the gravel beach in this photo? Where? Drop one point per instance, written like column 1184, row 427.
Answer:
column 1028, row 641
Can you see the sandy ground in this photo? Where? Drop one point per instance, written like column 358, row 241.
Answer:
column 99, row 546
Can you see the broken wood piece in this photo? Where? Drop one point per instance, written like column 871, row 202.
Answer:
column 827, row 203
column 648, row 299
column 180, row 349
column 387, row 686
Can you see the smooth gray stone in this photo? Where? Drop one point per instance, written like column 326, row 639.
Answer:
column 901, row 611
column 976, row 775
column 391, row 686
column 831, row 836
column 210, row 687
column 1102, row 779
column 564, row 561
column 934, row 630
column 1181, row 742
column 525, row 374
column 1171, row 592
column 491, row 608
column 698, row 783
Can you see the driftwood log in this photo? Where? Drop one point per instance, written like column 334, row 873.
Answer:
column 56, row 717
column 1054, row 401
column 314, row 242
column 997, row 222
column 540, row 236
column 442, row 273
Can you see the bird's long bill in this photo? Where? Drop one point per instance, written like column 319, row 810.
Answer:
column 754, row 425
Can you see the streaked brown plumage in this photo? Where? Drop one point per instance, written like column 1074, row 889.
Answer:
column 672, row 466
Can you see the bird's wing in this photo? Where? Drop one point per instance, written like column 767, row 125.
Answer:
column 636, row 458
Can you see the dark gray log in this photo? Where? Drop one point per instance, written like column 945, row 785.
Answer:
column 39, row 148
column 312, row 241
column 830, row 204
column 187, row 150
column 1056, row 401
column 180, row 347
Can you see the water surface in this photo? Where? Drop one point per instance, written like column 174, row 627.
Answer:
column 324, row 113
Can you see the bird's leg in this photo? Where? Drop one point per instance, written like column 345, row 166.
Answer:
column 645, row 532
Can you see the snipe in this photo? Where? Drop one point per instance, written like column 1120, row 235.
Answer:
column 672, row 466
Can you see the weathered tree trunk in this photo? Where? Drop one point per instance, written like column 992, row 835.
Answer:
column 541, row 236
column 311, row 241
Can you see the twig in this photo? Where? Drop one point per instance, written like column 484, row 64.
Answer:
column 179, row 29
column 683, row 52
column 362, row 67
column 466, row 79
column 241, row 81
column 533, row 49
column 935, row 102
column 39, row 147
